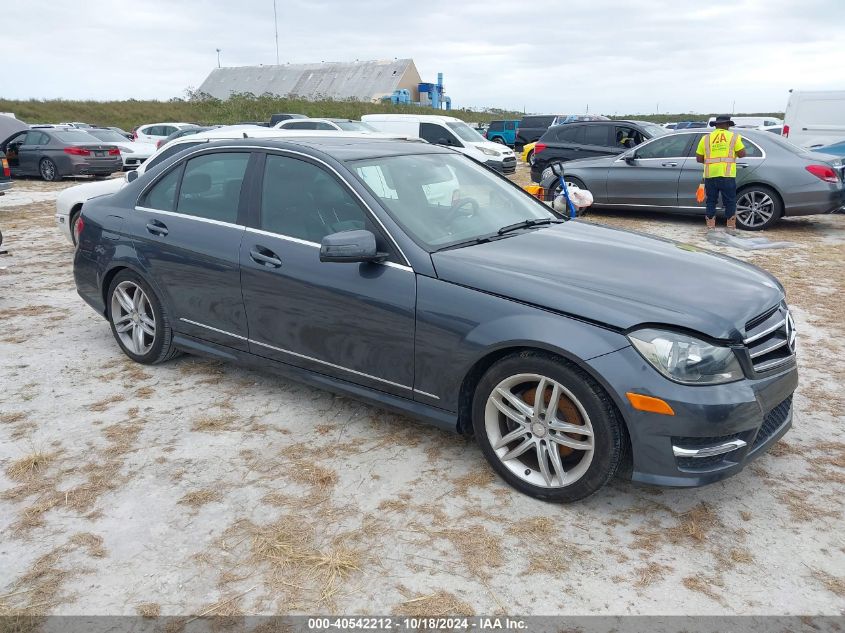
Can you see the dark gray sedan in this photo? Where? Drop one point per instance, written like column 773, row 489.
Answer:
column 775, row 179
column 53, row 153
column 409, row 275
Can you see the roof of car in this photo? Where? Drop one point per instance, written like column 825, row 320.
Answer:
column 341, row 148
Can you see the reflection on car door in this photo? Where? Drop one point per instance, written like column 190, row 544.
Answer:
column 351, row 321
column 30, row 152
column 652, row 179
column 187, row 232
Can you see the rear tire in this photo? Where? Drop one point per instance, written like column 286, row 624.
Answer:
column 530, row 158
column 48, row 170
column 139, row 322
column 757, row 208
column 560, row 466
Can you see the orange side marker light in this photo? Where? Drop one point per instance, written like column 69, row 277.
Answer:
column 649, row 404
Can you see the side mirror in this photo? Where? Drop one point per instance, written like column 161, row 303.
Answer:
column 631, row 159
column 350, row 247
column 132, row 176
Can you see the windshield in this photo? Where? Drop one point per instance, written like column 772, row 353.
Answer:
column 655, row 130
column 108, row 135
column 465, row 132
column 443, row 199
column 75, row 136
column 354, row 126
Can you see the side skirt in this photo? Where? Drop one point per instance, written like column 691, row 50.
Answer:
column 431, row 415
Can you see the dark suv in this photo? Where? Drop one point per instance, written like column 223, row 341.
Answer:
column 589, row 139
column 532, row 127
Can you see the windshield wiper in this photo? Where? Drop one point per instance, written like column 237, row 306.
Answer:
column 528, row 223
column 471, row 242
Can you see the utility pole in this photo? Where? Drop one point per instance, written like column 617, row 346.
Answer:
column 218, row 58
column 276, row 24
column 733, row 106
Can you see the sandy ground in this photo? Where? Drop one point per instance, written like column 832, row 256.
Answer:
column 198, row 487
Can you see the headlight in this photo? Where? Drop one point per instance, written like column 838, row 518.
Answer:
column 686, row 359
column 488, row 152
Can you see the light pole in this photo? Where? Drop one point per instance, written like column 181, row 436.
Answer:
column 276, row 25
column 218, row 57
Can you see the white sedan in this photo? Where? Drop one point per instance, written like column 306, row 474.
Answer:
column 339, row 125
column 133, row 153
column 154, row 132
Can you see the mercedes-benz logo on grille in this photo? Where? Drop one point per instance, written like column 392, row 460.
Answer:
column 790, row 332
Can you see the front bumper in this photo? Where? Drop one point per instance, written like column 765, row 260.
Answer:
column 716, row 430
column 505, row 166
column 132, row 161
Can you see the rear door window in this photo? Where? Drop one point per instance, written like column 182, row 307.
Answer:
column 163, row 194
column 570, row 134
column 510, row 125
column 211, row 186
column 300, row 125
column 496, row 126
column 595, row 135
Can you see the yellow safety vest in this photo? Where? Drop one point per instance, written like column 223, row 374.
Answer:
column 720, row 154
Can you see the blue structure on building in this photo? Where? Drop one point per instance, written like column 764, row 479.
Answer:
column 431, row 95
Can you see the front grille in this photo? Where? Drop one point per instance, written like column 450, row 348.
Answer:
column 773, row 421
column 701, row 463
column 770, row 339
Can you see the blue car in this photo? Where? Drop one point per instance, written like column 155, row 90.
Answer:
column 837, row 149
column 503, row 132
column 410, row 276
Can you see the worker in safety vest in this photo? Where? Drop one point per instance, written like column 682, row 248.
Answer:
column 719, row 151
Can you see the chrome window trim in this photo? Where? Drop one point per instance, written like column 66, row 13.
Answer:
column 297, row 240
column 190, row 217
column 285, row 152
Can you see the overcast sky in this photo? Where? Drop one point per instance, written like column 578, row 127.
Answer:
column 617, row 57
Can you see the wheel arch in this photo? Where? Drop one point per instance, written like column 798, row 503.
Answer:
column 119, row 266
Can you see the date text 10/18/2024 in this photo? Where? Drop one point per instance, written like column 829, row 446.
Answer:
column 414, row 624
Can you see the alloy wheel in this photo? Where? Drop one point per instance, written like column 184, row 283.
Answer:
column 133, row 318
column 539, row 430
column 755, row 208
column 48, row 170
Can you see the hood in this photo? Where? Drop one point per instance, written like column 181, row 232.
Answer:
column 502, row 149
column 617, row 278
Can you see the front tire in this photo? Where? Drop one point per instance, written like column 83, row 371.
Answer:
column 138, row 320
column 530, row 158
column 499, row 140
column 546, row 427
column 757, row 208
column 48, row 170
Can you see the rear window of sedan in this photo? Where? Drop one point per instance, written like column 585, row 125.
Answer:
column 75, row 136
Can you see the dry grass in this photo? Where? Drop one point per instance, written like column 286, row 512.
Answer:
column 651, row 572
column 215, row 423
column 12, row 418
column 148, row 609
column 199, row 498
column 471, row 481
column 741, row 556
column 306, row 472
column 144, row 392
column 703, row 586
column 440, row 603
column 834, row 584
column 694, row 525
column 30, row 466
column 802, row 508
column 102, row 405
column 480, row 551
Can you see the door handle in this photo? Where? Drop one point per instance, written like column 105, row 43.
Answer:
column 669, row 164
column 742, row 165
column 157, row 228
column 265, row 257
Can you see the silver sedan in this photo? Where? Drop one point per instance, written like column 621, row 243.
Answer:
column 775, row 178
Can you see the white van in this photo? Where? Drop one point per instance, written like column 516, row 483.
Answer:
column 752, row 122
column 815, row 118
column 448, row 131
